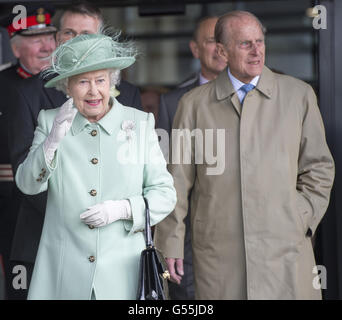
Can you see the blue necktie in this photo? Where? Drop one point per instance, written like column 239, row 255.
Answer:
column 246, row 88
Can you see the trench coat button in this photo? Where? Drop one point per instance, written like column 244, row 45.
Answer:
column 93, row 133
column 93, row 192
column 94, row 161
column 91, row 227
column 39, row 179
column 91, row 258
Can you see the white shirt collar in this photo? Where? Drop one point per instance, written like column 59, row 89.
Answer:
column 202, row 80
column 237, row 84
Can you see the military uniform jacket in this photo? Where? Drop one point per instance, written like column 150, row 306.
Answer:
column 252, row 220
column 9, row 78
column 73, row 258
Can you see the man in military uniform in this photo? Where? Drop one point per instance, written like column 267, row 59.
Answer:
column 32, row 42
column 29, row 98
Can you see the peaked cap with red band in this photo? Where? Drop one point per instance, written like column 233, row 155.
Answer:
column 38, row 21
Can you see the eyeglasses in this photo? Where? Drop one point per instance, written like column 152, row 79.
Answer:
column 69, row 33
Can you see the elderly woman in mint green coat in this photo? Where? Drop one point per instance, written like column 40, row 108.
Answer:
column 97, row 159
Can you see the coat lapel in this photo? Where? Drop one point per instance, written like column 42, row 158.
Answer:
column 266, row 82
column 225, row 90
column 192, row 82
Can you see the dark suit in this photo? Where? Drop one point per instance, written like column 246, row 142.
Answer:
column 169, row 102
column 167, row 110
column 27, row 99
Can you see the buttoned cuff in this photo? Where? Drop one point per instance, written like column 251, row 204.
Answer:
column 43, row 166
column 32, row 175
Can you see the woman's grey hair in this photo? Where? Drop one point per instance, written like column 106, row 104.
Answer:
column 221, row 30
column 114, row 76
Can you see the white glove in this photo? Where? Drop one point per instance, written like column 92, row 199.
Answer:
column 107, row 212
column 61, row 125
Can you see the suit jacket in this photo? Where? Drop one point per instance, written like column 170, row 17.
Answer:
column 73, row 258
column 169, row 102
column 26, row 99
column 254, row 209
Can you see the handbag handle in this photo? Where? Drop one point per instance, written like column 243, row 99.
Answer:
column 148, row 232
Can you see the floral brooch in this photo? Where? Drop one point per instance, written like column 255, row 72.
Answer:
column 128, row 126
column 114, row 92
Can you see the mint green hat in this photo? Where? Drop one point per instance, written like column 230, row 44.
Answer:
column 86, row 53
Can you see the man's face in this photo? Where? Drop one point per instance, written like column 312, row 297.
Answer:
column 73, row 25
column 204, row 49
column 245, row 49
column 34, row 51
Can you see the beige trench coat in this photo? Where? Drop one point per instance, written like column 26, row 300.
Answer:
column 251, row 224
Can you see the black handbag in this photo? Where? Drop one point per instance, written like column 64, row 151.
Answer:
column 153, row 273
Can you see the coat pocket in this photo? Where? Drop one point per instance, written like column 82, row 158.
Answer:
column 304, row 211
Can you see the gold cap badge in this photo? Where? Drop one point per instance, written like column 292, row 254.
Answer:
column 40, row 15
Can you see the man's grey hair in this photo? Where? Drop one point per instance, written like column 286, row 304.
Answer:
column 16, row 40
column 221, row 32
column 114, row 76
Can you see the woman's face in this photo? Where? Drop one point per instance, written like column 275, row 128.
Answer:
column 90, row 92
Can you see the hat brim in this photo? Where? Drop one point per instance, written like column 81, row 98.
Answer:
column 114, row 63
column 34, row 32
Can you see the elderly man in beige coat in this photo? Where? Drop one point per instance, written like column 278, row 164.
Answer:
column 252, row 219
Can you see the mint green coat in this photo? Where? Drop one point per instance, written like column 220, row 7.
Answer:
column 73, row 259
